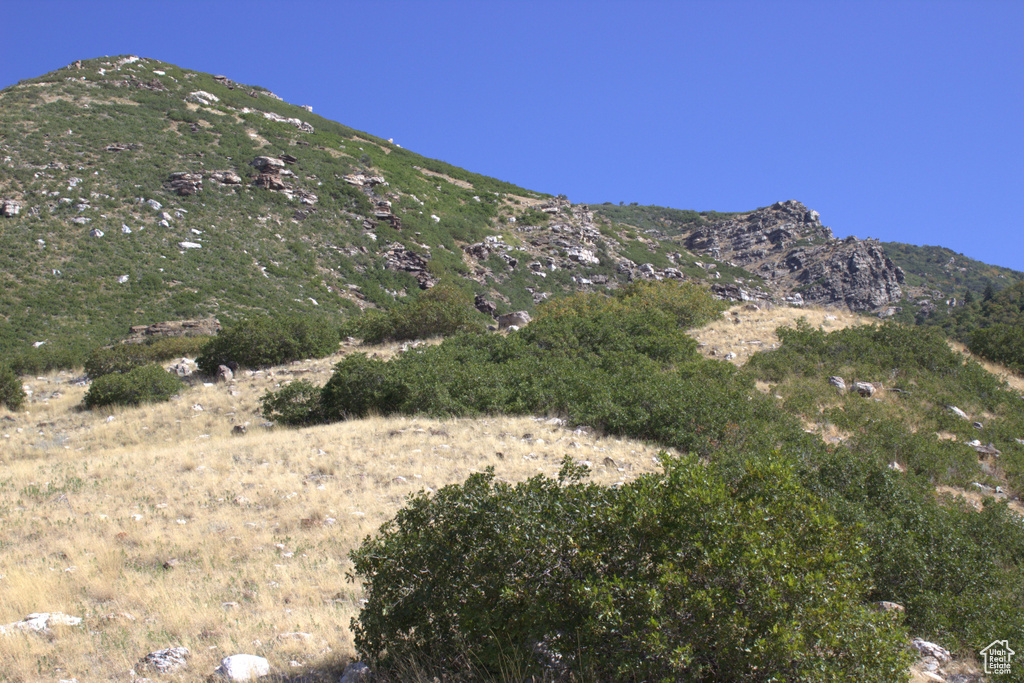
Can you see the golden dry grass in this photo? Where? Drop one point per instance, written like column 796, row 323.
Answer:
column 744, row 332
column 160, row 528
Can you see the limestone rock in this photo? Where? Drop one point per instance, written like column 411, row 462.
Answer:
column 787, row 245
column 170, row 660
column 928, row 650
column 518, row 319
column 959, row 413
column 206, row 327
column 40, row 622
column 865, row 389
column 9, row 208
column 226, row 177
column 224, row 374
column 243, row 667
column 838, row 382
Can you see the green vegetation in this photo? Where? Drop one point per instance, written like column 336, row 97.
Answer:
column 264, row 341
column 660, row 218
column 686, row 575
column 948, row 273
column 146, row 384
column 12, row 394
column 606, row 578
column 126, row 357
column 443, row 310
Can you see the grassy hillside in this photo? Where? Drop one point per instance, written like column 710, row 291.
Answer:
column 104, row 146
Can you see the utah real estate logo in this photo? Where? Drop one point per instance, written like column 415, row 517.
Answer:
column 997, row 657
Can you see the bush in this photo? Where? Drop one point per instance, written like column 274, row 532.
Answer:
column 265, row 340
column 12, row 394
column 146, row 384
column 125, row 357
column 686, row 575
column 1002, row 344
column 297, row 403
column 442, row 310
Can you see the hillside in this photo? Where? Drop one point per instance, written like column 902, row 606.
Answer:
column 135, row 192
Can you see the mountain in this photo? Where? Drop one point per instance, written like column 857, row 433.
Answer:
column 135, row 192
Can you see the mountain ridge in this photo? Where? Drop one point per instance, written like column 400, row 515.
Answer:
column 135, row 191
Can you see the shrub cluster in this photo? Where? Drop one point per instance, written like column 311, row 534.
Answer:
column 125, row 357
column 12, row 394
column 658, row 574
column 145, row 384
column 442, row 310
column 687, row 575
column 269, row 340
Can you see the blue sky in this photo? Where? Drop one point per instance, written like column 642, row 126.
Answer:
column 896, row 120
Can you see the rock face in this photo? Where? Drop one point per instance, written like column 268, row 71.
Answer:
column 787, row 245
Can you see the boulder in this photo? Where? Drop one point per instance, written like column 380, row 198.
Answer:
column 9, row 208
column 95, row 232
column 865, row 389
column 224, row 374
column 838, row 382
column 243, row 667
column 959, row 413
column 519, row 319
column 484, row 306
column 268, row 164
column 226, row 177
column 930, row 651
column 168, row 661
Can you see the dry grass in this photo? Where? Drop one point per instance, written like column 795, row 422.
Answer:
column 745, row 332
column 160, row 528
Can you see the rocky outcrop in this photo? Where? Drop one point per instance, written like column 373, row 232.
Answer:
column 185, row 184
column 856, row 273
column 400, row 259
column 788, row 246
column 138, row 334
column 9, row 208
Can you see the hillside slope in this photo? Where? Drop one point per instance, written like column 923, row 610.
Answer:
column 134, row 191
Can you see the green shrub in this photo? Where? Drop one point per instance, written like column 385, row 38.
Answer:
column 442, row 310
column 12, row 394
column 686, row 575
column 296, row 404
column 265, row 340
column 146, row 384
column 125, row 357
column 1002, row 344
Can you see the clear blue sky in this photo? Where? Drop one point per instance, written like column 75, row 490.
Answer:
column 897, row 120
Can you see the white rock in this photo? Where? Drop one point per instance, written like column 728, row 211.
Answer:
column 243, row 667
column 95, row 232
column 958, row 412
column 928, row 649
column 40, row 622
column 190, row 245
column 437, row 219
column 123, row 279
column 154, row 204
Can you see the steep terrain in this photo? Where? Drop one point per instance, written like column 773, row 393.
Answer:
column 796, row 257
column 134, row 191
